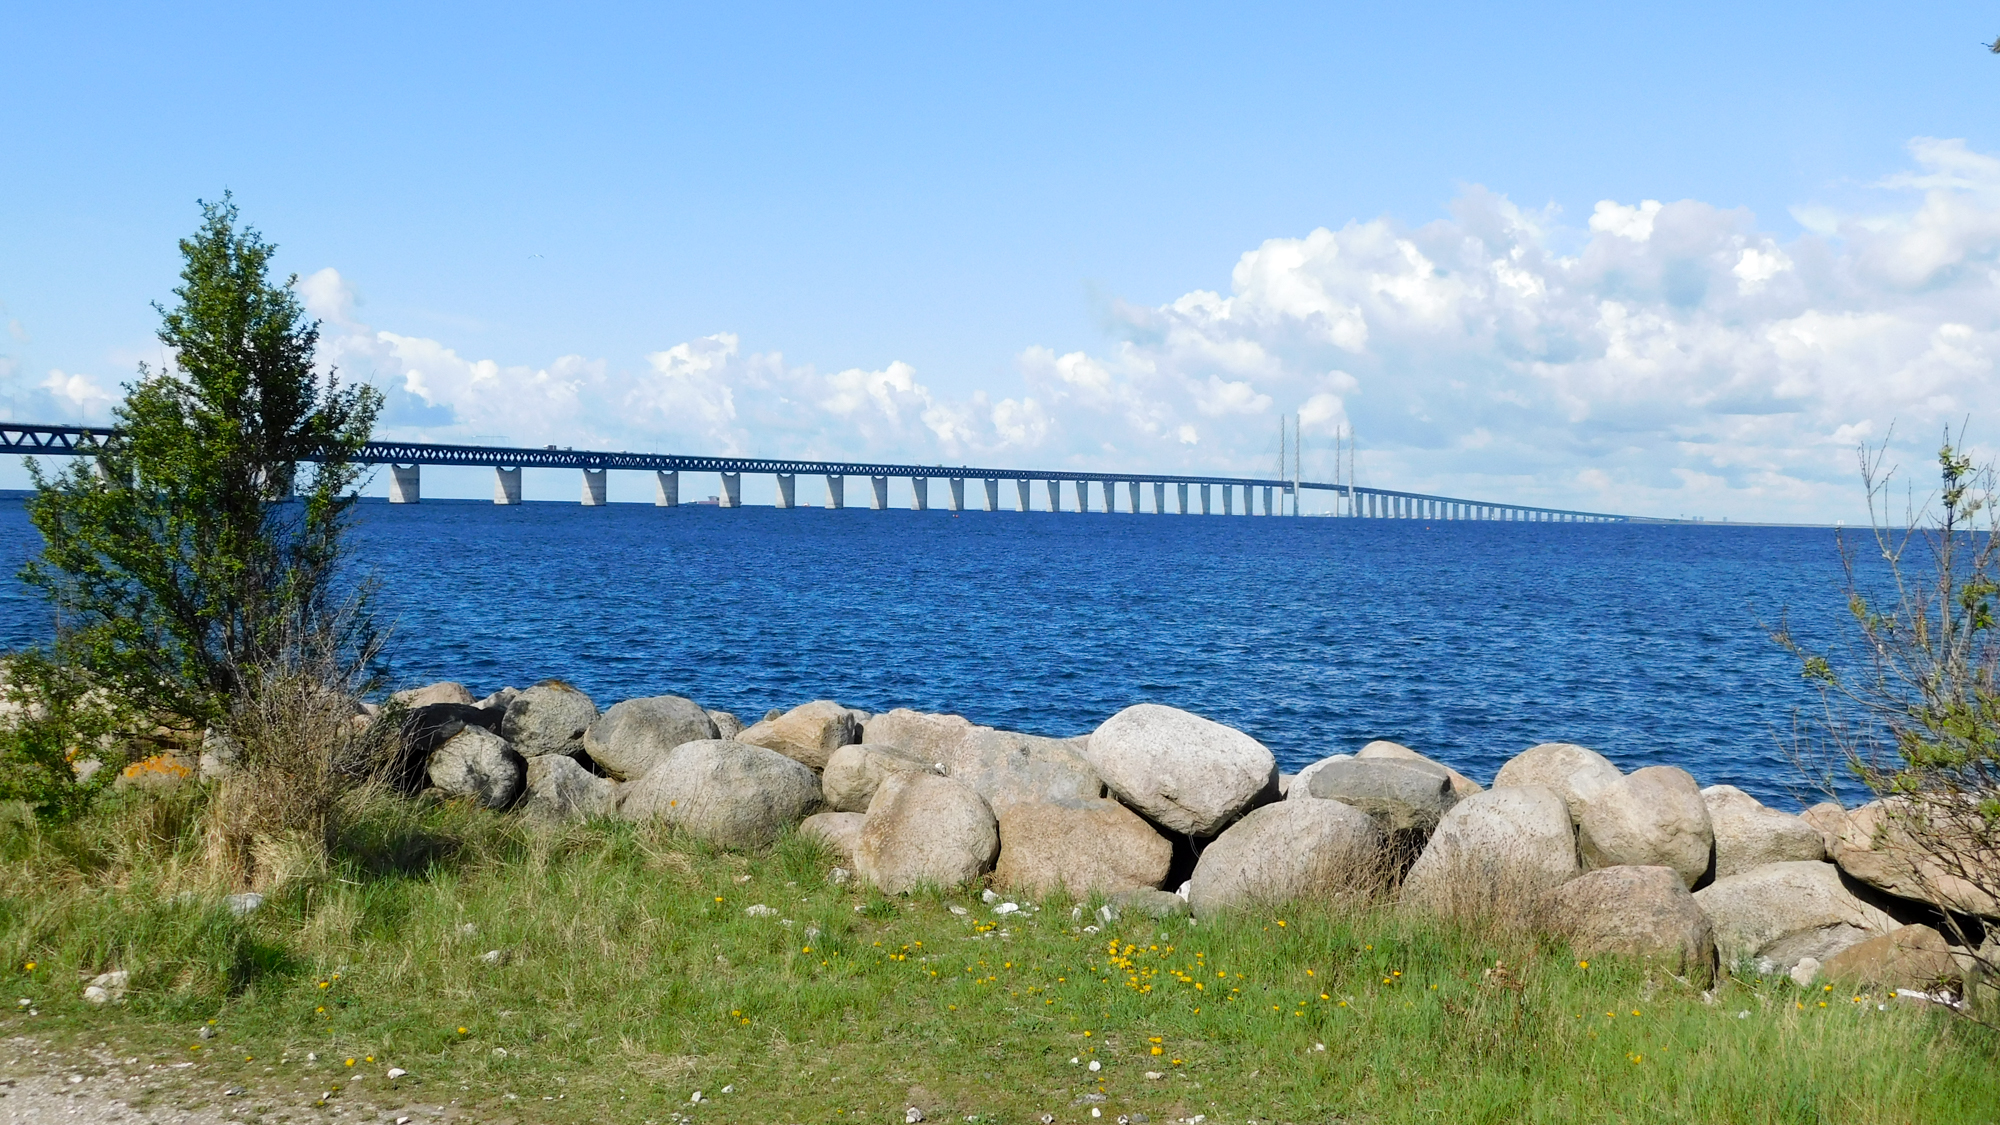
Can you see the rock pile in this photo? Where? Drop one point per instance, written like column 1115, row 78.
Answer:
column 1162, row 811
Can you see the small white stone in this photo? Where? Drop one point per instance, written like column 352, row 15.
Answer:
column 1319, row 1046
column 1095, row 1066
column 729, row 1089
column 1804, row 972
column 24, row 1002
column 245, row 903
column 696, row 1097
column 1096, row 1112
column 1743, row 1015
column 1007, row 908
column 988, row 897
column 839, row 876
column 1154, row 1076
column 467, row 929
column 494, row 957
column 1074, row 1061
column 759, row 910
column 742, row 879
column 912, row 1115
column 951, row 906
column 403, row 1121
column 397, row 1072
column 1090, row 929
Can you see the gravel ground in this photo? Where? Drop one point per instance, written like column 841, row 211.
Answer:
column 40, row 1083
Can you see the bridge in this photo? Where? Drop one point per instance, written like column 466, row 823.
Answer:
column 405, row 460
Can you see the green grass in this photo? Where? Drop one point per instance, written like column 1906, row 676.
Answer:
column 634, row 977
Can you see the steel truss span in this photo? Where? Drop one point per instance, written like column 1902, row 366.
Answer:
column 30, row 438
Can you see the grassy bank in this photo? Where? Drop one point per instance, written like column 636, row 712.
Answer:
column 630, row 976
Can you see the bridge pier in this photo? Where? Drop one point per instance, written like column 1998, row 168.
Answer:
column 1055, row 495
column 666, row 489
column 593, row 488
column 1083, row 496
column 1180, row 492
column 957, row 494
column 1228, row 499
column 836, row 491
column 787, row 490
column 1022, row 485
column 506, row 485
column 732, row 491
column 881, row 488
column 1159, row 498
column 992, row 494
column 920, row 494
column 405, row 484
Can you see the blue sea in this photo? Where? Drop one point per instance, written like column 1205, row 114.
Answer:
column 1466, row 641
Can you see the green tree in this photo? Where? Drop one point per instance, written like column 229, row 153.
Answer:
column 194, row 551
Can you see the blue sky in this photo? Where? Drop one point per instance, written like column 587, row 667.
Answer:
column 988, row 234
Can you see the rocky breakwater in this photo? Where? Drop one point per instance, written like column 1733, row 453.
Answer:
column 1166, row 812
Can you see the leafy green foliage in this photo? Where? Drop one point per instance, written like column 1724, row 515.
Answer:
column 59, row 744
column 193, row 548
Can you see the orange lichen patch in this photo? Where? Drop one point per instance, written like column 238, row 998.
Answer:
column 157, row 770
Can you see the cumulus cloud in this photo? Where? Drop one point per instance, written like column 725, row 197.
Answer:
column 1664, row 357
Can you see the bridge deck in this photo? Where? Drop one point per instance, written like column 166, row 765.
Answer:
column 31, row 438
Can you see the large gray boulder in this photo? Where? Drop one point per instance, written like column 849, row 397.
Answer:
column 839, row 831
column 1643, row 912
column 808, row 733
column 635, row 735
column 1008, row 768
column 559, row 789
column 1461, row 785
column 1403, row 794
column 925, row 830
column 1300, row 786
column 934, row 738
column 1750, row 834
column 479, row 764
column 1576, row 773
column 853, row 773
column 728, row 793
column 1494, row 854
column 1186, row 773
column 727, row 725
column 1772, row 917
column 448, row 691
column 549, row 718
column 1084, row 845
column 1286, row 851
column 1653, row 817
column 1915, row 852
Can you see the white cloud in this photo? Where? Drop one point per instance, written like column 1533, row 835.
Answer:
column 1669, row 357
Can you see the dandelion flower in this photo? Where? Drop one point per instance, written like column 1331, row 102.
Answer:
column 463, row 1031
column 30, row 967
column 350, row 1062
column 1583, row 964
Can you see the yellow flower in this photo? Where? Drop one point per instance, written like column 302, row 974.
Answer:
column 1324, row 996
column 350, row 1062
column 371, row 1058
column 463, row 1031
column 1281, row 921
column 1086, row 1035
column 718, row 898
column 1583, row 964
column 30, row 966
column 1635, row 1011
column 1159, row 1050
column 805, row 949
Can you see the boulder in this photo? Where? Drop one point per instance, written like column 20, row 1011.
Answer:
column 1774, row 916
column 549, row 718
column 1461, row 785
column 925, row 830
column 807, row 733
column 1574, row 772
column 499, row 700
column 1830, row 819
column 428, row 727
column 1643, row 912
column 221, row 756
column 1653, row 817
column 728, row 793
column 1008, row 768
column 1403, row 794
column 1750, row 834
column 1286, row 851
column 479, row 764
column 1876, row 845
column 1150, row 903
column 1915, row 957
column 561, row 789
column 1301, row 786
column 1084, row 845
column 1494, row 853
column 839, row 831
column 449, row 691
column 854, row 772
column 635, row 735
column 1188, row 774
column 727, row 725
column 934, row 738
